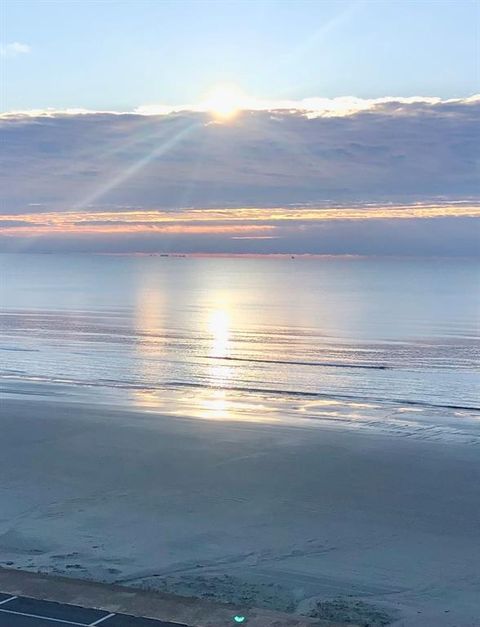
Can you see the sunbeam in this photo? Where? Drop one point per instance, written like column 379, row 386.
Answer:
column 136, row 167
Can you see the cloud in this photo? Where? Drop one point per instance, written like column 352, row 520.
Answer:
column 429, row 237
column 14, row 49
column 11, row 223
column 308, row 175
column 311, row 107
column 316, row 107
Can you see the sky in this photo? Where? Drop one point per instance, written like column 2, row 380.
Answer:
column 327, row 127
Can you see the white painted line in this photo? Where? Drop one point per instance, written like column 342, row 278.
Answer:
column 100, row 620
column 55, row 620
column 7, row 600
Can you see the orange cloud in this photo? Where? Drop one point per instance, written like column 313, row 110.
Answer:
column 246, row 221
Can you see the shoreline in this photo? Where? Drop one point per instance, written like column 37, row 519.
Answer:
column 231, row 405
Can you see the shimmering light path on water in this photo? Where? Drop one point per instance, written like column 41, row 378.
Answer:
column 245, row 338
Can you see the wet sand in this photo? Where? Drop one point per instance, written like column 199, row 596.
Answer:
column 340, row 522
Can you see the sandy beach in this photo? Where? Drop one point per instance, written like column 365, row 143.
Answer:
column 337, row 522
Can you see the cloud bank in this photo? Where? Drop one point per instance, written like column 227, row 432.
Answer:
column 353, row 176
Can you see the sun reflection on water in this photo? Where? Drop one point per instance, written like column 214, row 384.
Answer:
column 219, row 329
column 215, row 395
column 215, row 403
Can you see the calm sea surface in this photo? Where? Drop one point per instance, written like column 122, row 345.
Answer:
column 249, row 338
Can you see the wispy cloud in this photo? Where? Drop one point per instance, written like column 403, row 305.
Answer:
column 404, row 229
column 226, row 220
column 14, row 49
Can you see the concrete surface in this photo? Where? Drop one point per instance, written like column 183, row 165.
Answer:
column 119, row 599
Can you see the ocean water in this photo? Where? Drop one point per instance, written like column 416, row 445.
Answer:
column 267, row 339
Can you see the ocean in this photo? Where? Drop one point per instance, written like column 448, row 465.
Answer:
column 365, row 341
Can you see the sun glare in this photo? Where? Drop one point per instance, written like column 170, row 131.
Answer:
column 225, row 101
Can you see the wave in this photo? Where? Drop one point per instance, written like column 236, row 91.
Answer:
column 325, row 364
column 19, row 350
column 133, row 385
column 344, row 397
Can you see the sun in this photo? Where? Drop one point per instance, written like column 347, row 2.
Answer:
column 225, row 101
